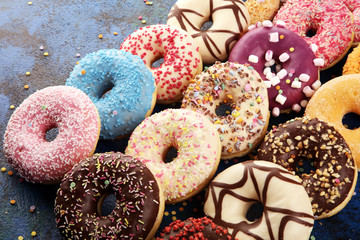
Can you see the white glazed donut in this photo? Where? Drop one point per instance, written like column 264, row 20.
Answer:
column 287, row 212
column 196, row 141
column 230, row 20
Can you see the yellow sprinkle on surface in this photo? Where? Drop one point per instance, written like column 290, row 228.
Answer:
column 173, row 212
column 33, row 233
column 173, row 218
column 46, row 54
column 12, row 106
column 29, row 3
column 28, row 73
column 100, row 36
column 3, row 169
column 166, row 213
column 12, row 202
column 143, row 21
column 116, row 33
column 20, row 238
column 26, row 86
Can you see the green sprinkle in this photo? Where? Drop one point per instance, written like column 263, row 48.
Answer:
column 252, row 104
column 223, row 86
column 280, row 91
column 43, row 107
column 72, row 184
column 106, row 182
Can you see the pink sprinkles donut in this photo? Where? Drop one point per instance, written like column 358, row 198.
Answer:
column 63, row 107
column 331, row 21
column 275, row 53
column 354, row 7
column 182, row 60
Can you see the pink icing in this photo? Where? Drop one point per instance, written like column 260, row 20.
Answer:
column 64, row 107
column 354, row 7
column 331, row 19
column 285, row 88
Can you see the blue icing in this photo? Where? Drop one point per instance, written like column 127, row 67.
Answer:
column 132, row 86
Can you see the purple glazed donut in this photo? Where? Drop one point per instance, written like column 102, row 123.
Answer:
column 284, row 60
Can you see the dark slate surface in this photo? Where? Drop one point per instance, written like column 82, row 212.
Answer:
column 65, row 29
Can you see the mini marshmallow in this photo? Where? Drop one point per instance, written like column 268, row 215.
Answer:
column 319, row 62
column 267, row 70
column 274, row 37
column 270, row 63
column 316, row 85
column 280, row 99
column 270, row 75
column 275, row 80
column 268, row 55
column 251, row 27
column 267, row 23
column 304, row 103
column 296, row 107
column 296, row 84
column 314, row 47
column 308, row 91
column 284, row 57
column 276, row 112
column 304, row 77
column 282, row 73
column 253, row 59
column 280, row 23
column 267, row 84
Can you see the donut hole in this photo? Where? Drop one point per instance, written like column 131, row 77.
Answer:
column 305, row 166
column 311, row 31
column 206, row 26
column 223, row 110
column 255, row 212
column 106, row 90
column 107, row 204
column 351, row 121
column 157, row 63
column 51, row 133
column 170, row 154
column 274, row 66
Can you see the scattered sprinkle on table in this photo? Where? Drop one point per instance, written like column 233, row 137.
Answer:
column 46, row 54
column 78, row 55
column 116, row 33
column 12, row 202
column 100, row 36
column 29, row 3
column 3, row 169
column 33, row 233
column 41, row 47
column 26, row 86
column 143, row 21
column 32, row 209
column 10, row 173
column 28, row 73
column 20, row 238
column 12, row 106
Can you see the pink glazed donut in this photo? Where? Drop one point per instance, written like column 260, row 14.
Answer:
column 66, row 108
column 182, row 60
column 354, row 7
column 275, row 53
column 329, row 20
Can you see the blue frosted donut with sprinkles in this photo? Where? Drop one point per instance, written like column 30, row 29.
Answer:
column 121, row 87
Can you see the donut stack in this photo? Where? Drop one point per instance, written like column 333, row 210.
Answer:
column 262, row 59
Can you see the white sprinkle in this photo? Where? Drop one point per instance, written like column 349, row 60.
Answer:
column 296, row 84
column 276, row 112
column 267, row 84
column 280, row 99
column 316, row 85
column 275, row 80
column 269, row 55
column 270, row 63
column 296, row 107
column 282, row 73
column 280, row 24
column 267, row 23
column 308, row 91
column 41, row 47
column 284, row 57
column 274, row 37
column 253, row 59
column 319, row 62
column 304, row 77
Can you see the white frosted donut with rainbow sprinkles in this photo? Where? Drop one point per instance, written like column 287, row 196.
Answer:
column 66, row 108
column 198, row 145
column 330, row 20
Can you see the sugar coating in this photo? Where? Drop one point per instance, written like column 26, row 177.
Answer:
column 132, row 87
column 66, row 108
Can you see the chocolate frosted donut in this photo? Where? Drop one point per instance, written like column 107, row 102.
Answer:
column 275, row 53
column 286, row 211
column 331, row 185
column 195, row 228
column 139, row 200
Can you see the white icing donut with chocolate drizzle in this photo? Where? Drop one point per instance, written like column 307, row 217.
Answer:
column 240, row 89
column 196, row 141
column 287, row 212
column 229, row 18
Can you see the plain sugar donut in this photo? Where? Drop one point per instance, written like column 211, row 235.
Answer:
column 131, row 96
column 352, row 64
column 198, row 151
column 287, row 210
column 182, row 60
column 62, row 107
column 230, row 20
column 261, row 10
column 275, row 53
column 330, row 185
column 331, row 21
column 139, row 206
column 240, row 89
column 336, row 98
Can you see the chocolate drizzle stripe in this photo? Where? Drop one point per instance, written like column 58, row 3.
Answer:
column 236, row 9
column 178, row 13
column 287, row 219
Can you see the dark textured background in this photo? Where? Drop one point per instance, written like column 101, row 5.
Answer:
column 66, row 28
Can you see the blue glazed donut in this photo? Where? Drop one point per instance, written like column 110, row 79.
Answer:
column 120, row 86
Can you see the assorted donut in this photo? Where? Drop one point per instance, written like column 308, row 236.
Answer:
column 229, row 64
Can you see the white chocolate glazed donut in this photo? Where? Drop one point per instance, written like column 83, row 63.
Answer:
column 287, row 210
column 230, row 20
column 182, row 60
column 240, row 88
column 196, row 141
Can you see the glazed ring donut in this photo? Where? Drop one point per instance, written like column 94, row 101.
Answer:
column 330, row 20
column 239, row 88
column 286, row 211
column 229, row 19
column 352, row 64
column 261, row 10
column 64, row 108
column 182, row 60
column 275, row 53
column 195, row 228
column 120, row 86
column 139, row 203
column 354, row 7
column 336, row 98
column 331, row 184
column 198, row 151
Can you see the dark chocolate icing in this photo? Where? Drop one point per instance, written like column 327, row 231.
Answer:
column 311, row 139
column 137, row 199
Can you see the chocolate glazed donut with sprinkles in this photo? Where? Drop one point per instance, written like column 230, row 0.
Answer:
column 330, row 185
column 239, row 90
column 139, row 200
